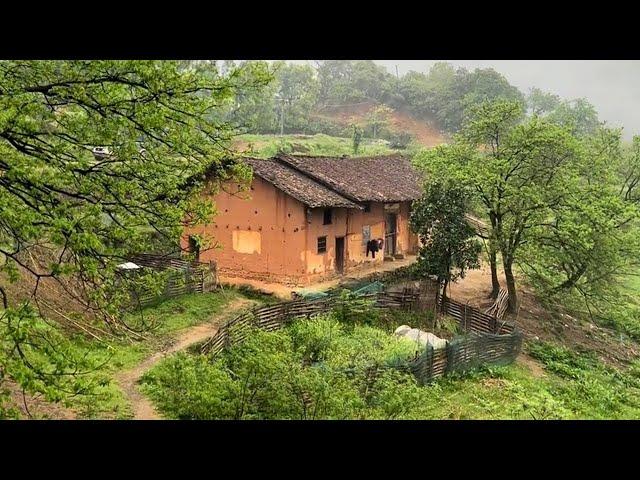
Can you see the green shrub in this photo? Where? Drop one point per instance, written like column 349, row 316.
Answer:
column 312, row 369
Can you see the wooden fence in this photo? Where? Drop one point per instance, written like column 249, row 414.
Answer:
column 472, row 319
column 183, row 277
column 486, row 341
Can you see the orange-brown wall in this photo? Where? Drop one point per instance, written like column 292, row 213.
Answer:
column 346, row 223
column 265, row 234
column 261, row 234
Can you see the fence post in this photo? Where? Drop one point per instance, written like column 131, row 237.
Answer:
column 464, row 323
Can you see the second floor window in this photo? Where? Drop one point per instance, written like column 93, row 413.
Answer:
column 327, row 217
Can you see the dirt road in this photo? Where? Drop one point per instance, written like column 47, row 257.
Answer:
column 141, row 406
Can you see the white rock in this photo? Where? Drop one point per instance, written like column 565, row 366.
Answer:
column 128, row 266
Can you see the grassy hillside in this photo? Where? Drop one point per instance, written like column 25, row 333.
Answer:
column 264, row 146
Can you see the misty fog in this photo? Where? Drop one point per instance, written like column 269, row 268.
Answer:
column 612, row 86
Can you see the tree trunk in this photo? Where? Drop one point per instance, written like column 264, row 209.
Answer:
column 511, row 286
column 495, row 284
column 493, row 249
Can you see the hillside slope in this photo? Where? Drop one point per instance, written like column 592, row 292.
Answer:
column 425, row 133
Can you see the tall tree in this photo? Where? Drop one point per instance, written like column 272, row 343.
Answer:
column 254, row 108
column 519, row 171
column 578, row 115
column 68, row 210
column 540, row 102
column 591, row 239
column 449, row 247
column 377, row 118
column 298, row 89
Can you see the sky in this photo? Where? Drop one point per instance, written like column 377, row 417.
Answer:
column 612, row 86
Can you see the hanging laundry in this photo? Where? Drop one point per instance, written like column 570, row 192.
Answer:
column 372, row 246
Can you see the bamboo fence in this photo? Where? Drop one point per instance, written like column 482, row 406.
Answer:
column 183, row 277
column 487, row 341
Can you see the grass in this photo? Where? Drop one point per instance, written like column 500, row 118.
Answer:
column 265, row 146
column 170, row 317
column 575, row 385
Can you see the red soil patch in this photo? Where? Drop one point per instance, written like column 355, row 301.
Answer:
column 424, row 132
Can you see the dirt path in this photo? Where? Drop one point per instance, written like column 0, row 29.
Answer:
column 284, row 291
column 141, row 406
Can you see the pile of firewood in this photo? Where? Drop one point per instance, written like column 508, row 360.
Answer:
column 499, row 307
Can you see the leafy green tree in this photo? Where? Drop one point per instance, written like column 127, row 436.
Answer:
column 348, row 81
column 378, row 118
column 518, row 170
column 540, row 102
column 446, row 94
column 449, row 247
column 356, row 138
column 579, row 116
column 298, row 89
column 253, row 108
column 68, row 211
column 629, row 172
column 484, row 85
column 591, row 239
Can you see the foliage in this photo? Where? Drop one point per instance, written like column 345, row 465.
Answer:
column 447, row 94
column 377, row 119
column 313, row 369
column 590, row 240
column 540, row 102
column 298, row 89
column 349, row 81
column 40, row 359
column 595, row 389
column 550, row 196
column 69, row 211
column 448, row 247
column 444, row 94
column 578, row 115
column 253, row 106
column 356, row 138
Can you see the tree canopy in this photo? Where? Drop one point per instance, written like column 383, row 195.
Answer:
column 550, row 194
column 98, row 158
column 448, row 248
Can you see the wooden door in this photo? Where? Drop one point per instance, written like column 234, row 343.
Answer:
column 390, row 233
column 340, row 255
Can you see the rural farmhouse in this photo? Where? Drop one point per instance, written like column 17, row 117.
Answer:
column 309, row 218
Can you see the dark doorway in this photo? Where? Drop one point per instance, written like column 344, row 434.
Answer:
column 390, row 234
column 194, row 247
column 340, row 255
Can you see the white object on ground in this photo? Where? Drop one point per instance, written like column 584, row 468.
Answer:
column 128, row 266
column 420, row 336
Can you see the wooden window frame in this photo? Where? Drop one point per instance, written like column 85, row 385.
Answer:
column 324, row 248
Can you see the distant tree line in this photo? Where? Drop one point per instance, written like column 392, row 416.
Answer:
column 446, row 95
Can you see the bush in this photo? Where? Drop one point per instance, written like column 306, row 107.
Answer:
column 312, row 369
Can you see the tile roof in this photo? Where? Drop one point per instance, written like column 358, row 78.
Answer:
column 387, row 178
column 298, row 185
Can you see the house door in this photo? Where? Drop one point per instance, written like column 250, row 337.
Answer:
column 340, row 255
column 390, row 234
